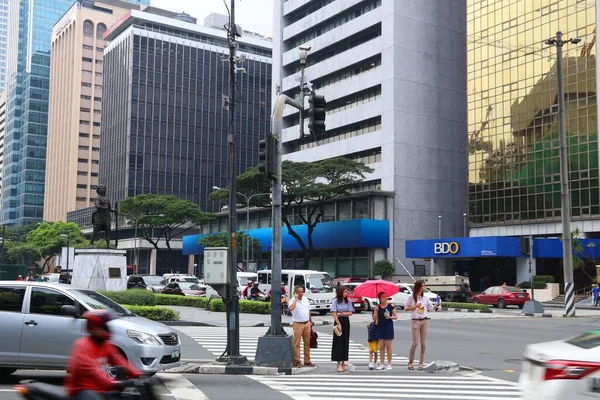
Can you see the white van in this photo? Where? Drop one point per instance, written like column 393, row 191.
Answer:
column 318, row 286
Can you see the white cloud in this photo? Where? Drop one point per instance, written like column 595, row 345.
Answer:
column 251, row 15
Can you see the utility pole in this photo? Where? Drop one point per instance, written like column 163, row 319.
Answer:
column 232, row 352
column 565, row 196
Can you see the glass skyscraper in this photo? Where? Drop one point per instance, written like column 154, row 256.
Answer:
column 28, row 80
column 3, row 42
column 514, row 169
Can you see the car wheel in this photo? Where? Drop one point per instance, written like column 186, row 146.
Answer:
column 475, row 301
column 367, row 305
column 322, row 312
column 501, row 303
column 449, row 297
column 7, row 371
column 521, row 306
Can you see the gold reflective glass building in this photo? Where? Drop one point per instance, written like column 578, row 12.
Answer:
column 514, row 170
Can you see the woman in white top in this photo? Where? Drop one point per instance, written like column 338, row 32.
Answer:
column 419, row 306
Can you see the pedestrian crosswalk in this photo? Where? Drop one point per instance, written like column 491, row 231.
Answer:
column 387, row 386
column 214, row 339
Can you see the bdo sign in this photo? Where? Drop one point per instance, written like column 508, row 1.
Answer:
column 446, row 248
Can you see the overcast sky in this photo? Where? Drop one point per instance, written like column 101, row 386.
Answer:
column 251, row 15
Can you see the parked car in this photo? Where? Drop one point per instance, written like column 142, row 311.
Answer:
column 184, row 289
column 369, row 302
column 502, row 296
column 564, row 369
column 41, row 320
column 406, row 290
column 357, row 301
column 180, row 278
column 53, row 278
column 152, row 283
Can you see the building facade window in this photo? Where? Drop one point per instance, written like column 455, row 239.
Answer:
column 100, row 31
column 88, row 28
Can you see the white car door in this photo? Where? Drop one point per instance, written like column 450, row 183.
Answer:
column 399, row 299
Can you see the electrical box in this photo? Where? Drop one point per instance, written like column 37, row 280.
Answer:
column 216, row 266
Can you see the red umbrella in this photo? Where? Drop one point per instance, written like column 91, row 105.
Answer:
column 373, row 287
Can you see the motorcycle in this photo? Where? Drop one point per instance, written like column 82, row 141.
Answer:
column 133, row 389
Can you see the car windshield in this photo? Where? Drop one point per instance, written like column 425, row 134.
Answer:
column 96, row 301
column 319, row 283
column 154, row 280
column 512, row 289
column 586, row 341
column 189, row 286
column 244, row 280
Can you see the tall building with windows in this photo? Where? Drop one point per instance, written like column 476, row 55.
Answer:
column 3, row 43
column 514, row 168
column 30, row 26
column 76, row 79
column 166, row 133
column 393, row 74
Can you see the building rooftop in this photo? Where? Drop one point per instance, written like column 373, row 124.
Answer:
column 177, row 21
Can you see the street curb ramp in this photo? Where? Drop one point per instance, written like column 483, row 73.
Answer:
column 442, row 366
column 217, row 368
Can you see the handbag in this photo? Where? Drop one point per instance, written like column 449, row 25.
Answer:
column 313, row 339
column 337, row 330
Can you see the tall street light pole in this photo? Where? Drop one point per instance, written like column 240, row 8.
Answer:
column 247, row 198
column 439, row 226
column 565, row 196
column 68, row 236
column 465, row 224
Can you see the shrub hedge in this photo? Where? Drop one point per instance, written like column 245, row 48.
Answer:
column 153, row 312
column 543, row 278
column 536, row 285
column 185, row 301
column 140, row 297
column 466, row 306
column 134, row 297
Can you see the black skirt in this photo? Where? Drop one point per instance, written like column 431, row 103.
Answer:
column 341, row 344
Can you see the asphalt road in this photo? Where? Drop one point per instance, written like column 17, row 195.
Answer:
column 492, row 346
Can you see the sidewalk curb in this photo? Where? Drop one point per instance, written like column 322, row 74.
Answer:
column 468, row 310
column 255, row 325
column 538, row 315
column 214, row 368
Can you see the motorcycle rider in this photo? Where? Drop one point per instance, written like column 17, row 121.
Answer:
column 85, row 379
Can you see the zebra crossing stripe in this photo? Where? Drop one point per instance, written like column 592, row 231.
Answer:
column 180, row 387
column 386, row 386
column 569, row 299
column 214, row 339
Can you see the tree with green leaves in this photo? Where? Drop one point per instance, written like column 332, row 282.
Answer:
column 580, row 251
column 46, row 239
column 165, row 216
column 220, row 240
column 306, row 187
column 383, row 268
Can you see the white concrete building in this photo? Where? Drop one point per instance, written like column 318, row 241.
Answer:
column 394, row 77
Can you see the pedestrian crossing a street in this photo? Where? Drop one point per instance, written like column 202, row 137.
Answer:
column 387, row 386
column 214, row 339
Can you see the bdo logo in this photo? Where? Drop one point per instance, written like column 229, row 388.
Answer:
column 446, row 248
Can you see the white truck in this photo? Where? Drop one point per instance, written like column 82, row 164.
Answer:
column 447, row 287
column 318, row 286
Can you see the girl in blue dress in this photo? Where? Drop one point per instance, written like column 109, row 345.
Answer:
column 384, row 316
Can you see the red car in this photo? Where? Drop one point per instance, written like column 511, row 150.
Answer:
column 502, row 296
column 357, row 302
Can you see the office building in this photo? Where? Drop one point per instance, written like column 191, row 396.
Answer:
column 2, row 129
column 216, row 21
column 75, row 106
column 513, row 143
column 393, row 74
column 166, row 133
column 3, row 43
column 30, row 26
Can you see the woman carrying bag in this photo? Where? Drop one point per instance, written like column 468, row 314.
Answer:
column 419, row 306
column 341, row 309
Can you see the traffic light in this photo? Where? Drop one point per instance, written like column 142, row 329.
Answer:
column 316, row 114
column 267, row 156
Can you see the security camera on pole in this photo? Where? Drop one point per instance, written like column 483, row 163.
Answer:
column 275, row 348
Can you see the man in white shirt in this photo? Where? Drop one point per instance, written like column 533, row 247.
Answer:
column 302, row 324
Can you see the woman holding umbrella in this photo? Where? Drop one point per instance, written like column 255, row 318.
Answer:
column 384, row 315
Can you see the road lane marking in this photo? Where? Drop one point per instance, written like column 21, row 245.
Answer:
column 181, row 388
